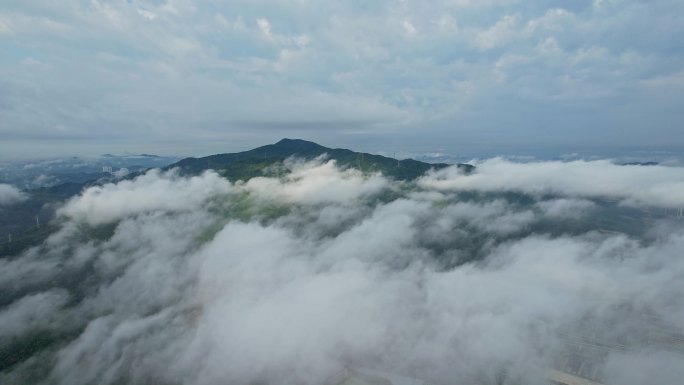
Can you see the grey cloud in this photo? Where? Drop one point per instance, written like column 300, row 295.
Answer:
column 470, row 71
column 628, row 369
column 30, row 313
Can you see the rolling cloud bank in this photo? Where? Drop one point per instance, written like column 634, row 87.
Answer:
column 453, row 279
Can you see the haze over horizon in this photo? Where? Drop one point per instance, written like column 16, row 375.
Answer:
column 186, row 78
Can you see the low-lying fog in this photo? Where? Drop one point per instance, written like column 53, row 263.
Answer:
column 452, row 279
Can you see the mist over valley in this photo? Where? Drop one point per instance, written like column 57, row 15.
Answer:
column 320, row 269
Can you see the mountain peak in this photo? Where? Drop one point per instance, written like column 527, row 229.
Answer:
column 286, row 142
column 251, row 163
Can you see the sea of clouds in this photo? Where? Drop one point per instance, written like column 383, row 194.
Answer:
column 453, row 279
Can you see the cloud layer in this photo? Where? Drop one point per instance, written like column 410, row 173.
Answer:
column 127, row 76
column 635, row 184
column 165, row 279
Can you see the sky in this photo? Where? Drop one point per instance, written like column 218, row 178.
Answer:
column 201, row 77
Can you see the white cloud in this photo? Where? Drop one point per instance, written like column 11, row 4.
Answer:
column 10, row 195
column 566, row 208
column 194, row 281
column 553, row 19
column 503, row 30
column 316, row 182
column 496, row 217
column 37, row 312
column 634, row 184
column 409, row 27
column 153, row 191
column 265, row 28
column 147, row 14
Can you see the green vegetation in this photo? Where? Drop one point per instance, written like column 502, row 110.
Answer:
column 264, row 160
column 20, row 220
column 29, row 223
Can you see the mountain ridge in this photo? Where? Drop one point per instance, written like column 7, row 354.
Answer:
column 19, row 219
column 251, row 163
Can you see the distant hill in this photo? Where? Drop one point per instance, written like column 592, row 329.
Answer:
column 248, row 164
column 21, row 220
column 639, row 164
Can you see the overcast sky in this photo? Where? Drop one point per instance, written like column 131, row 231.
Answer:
column 193, row 77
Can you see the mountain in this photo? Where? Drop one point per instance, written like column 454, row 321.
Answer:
column 248, row 164
column 21, row 220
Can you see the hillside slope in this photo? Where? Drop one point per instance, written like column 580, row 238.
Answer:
column 247, row 164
